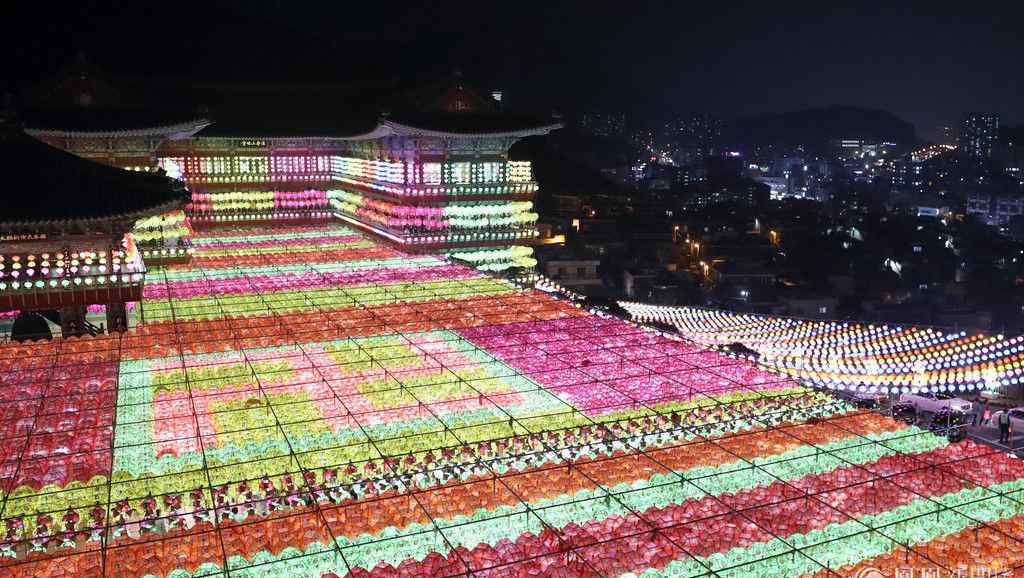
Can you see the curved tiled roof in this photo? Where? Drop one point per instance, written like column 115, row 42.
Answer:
column 450, row 125
column 85, row 122
column 47, row 185
column 461, row 124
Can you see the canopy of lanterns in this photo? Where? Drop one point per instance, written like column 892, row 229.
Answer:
column 854, row 356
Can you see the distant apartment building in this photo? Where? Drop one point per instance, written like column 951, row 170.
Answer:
column 909, row 175
column 573, row 272
column 748, row 193
column 1009, row 152
column 637, row 283
column 573, row 269
column 978, row 134
column 919, row 170
column 994, row 208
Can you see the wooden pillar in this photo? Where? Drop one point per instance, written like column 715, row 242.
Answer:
column 117, row 317
column 72, row 321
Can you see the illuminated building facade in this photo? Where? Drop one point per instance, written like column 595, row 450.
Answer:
column 435, row 177
column 978, row 133
column 422, row 187
column 995, row 208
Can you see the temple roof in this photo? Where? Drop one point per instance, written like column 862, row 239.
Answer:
column 296, row 122
column 443, row 125
column 457, row 124
column 451, row 108
column 81, row 101
column 446, row 108
column 90, row 122
column 48, row 185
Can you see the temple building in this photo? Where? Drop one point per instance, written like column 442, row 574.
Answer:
column 65, row 241
column 432, row 175
column 420, row 187
column 434, row 181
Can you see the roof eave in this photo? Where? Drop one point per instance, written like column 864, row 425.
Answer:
column 407, row 130
column 177, row 131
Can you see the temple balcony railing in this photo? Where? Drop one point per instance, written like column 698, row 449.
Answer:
column 443, row 193
column 441, row 240
column 78, row 290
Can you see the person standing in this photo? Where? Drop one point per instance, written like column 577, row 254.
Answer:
column 1004, row 426
column 985, row 414
column 978, row 413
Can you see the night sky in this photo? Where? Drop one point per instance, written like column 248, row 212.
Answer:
column 925, row 62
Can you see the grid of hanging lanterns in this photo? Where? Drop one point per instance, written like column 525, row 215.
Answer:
column 305, row 402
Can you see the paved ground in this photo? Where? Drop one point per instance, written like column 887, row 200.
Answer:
column 987, row 434
column 990, row 435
